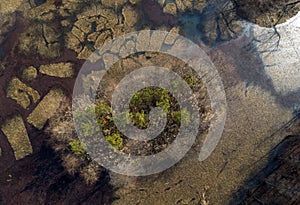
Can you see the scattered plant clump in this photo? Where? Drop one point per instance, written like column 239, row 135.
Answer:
column 72, row 150
column 65, row 142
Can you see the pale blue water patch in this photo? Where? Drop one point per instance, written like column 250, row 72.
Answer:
column 189, row 24
column 169, row 1
column 192, row 21
column 39, row 2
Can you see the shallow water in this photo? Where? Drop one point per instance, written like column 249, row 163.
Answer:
column 260, row 76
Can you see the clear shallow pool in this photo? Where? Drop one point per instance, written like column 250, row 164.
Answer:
column 260, row 76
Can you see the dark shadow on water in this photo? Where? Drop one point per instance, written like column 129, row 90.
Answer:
column 263, row 187
column 39, row 2
column 43, row 180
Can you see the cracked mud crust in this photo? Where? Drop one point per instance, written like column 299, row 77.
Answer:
column 60, row 70
column 46, row 108
column 21, row 93
column 16, row 133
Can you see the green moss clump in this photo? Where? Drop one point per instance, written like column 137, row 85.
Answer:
column 182, row 115
column 104, row 116
column 102, row 109
column 143, row 96
column 151, row 97
column 191, row 80
column 77, row 147
column 115, row 140
column 139, row 119
column 88, row 127
column 140, row 106
column 142, row 102
column 162, row 98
